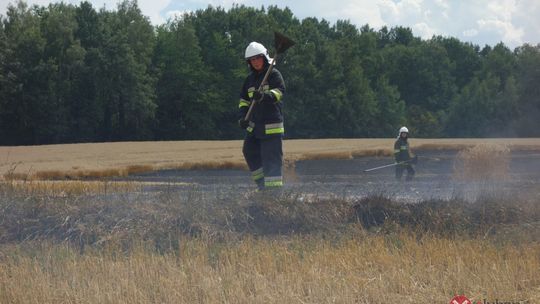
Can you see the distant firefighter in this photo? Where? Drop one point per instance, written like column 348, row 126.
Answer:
column 403, row 156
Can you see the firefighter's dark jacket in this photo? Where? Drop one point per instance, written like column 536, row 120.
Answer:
column 401, row 150
column 266, row 117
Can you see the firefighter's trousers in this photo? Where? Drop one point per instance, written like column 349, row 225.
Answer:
column 264, row 157
column 402, row 167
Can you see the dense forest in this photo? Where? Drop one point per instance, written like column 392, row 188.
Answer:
column 73, row 73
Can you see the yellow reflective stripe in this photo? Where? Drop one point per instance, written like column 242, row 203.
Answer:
column 403, row 147
column 274, row 128
column 249, row 129
column 257, row 174
column 277, row 93
column 250, row 92
column 275, row 131
column 396, row 151
column 243, row 103
column 273, row 184
column 273, row 181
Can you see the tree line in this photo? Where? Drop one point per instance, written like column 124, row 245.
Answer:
column 74, row 73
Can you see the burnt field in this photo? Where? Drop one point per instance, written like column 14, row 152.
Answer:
column 453, row 192
column 439, row 175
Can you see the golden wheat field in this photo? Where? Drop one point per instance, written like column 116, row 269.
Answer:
column 366, row 269
column 92, row 241
column 119, row 159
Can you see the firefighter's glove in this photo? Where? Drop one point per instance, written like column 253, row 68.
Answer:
column 243, row 123
column 258, row 96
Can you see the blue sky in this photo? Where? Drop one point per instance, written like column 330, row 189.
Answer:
column 481, row 22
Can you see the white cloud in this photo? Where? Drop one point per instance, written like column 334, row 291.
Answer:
column 470, row 33
column 405, row 11
column 527, row 17
column 424, row 30
column 502, row 9
column 153, row 8
column 442, row 4
column 360, row 13
column 506, row 30
column 175, row 14
column 481, row 21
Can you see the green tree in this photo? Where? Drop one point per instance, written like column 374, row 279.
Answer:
column 483, row 108
column 301, row 73
column 423, row 76
column 391, row 109
column 464, row 56
column 528, row 80
column 86, row 109
column 73, row 74
column 186, row 106
column 5, row 83
column 27, row 83
column 65, row 56
column 127, row 83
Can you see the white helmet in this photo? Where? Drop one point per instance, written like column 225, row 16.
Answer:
column 403, row 130
column 255, row 49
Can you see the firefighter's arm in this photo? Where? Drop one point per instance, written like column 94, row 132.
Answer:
column 276, row 89
column 244, row 102
column 396, row 150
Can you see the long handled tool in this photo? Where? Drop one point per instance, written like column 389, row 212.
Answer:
column 412, row 161
column 281, row 43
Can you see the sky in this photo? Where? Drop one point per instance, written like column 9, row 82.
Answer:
column 481, row 22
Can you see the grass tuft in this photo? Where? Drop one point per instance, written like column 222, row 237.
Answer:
column 483, row 162
column 209, row 165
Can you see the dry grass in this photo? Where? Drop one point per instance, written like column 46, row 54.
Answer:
column 67, row 188
column 171, row 248
column 210, row 165
column 397, row 268
column 483, row 162
column 94, row 220
column 101, row 160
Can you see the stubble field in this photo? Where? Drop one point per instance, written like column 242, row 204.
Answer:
column 128, row 223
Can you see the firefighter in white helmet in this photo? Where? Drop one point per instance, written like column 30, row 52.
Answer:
column 403, row 156
column 262, row 147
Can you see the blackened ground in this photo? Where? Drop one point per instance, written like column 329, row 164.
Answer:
column 435, row 178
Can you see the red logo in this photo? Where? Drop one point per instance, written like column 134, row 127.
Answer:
column 460, row 300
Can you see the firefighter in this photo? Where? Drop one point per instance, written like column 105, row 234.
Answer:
column 262, row 147
column 402, row 155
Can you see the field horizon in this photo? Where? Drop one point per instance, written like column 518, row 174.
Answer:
column 102, row 160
